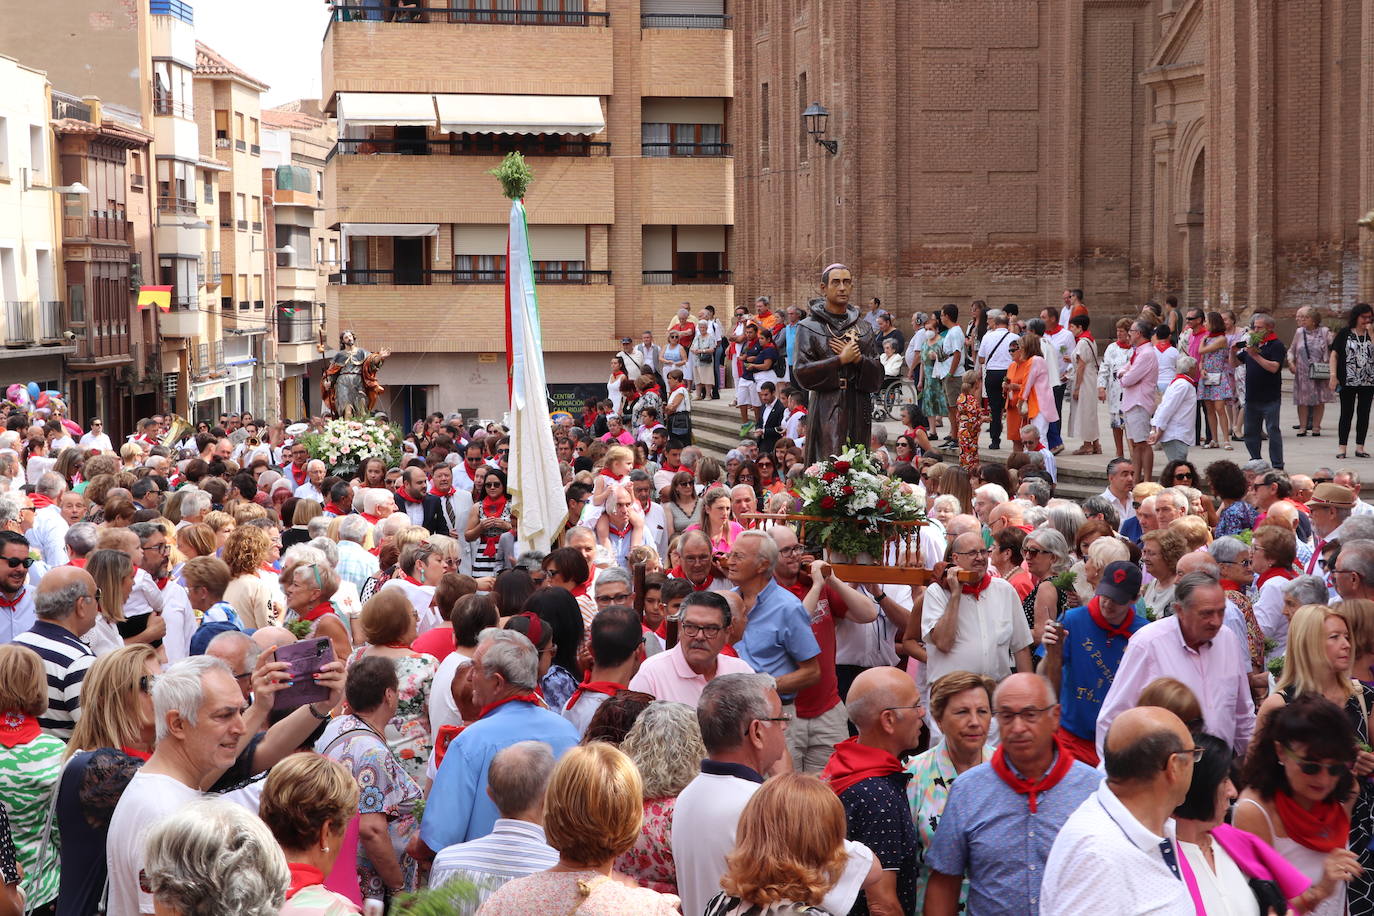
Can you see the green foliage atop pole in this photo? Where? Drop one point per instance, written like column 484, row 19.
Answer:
column 514, row 174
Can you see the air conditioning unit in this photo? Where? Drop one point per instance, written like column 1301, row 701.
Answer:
column 222, row 143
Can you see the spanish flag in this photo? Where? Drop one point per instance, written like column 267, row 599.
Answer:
column 161, row 296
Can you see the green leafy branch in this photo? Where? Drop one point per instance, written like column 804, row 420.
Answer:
column 514, row 174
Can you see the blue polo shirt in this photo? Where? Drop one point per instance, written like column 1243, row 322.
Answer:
column 1091, row 660
column 777, row 637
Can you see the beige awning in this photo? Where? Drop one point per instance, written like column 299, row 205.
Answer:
column 394, row 109
column 520, row 114
column 399, row 230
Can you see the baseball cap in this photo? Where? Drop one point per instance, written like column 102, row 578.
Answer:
column 1120, row 582
column 1334, row 495
column 626, row 340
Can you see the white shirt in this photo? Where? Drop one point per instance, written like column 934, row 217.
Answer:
column 993, row 350
column 1063, row 343
column 308, row 490
column 146, row 596
column 952, row 343
column 792, row 427
column 1225, row 891
column 1361, row 507
column 1168, row 358
column 180, row 620
column 96, row 440
column 442, row 710
column 1050, row 467
column 648, row 356
column 991, row 628
column 1126, row 507
column 49, row 533
column 705, row 818
column 1174, row 415
column 580, row 713
column 1105, row 859
column 1268, row 608
column 147, row 799
column 656, row 528
column 420, row 597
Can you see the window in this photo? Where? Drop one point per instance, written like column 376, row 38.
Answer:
column 136, row 173
column 4, row 148
column 479, row 268
column 221, row 125
column 319, row 188
column 253, row 134
column 226, row 210
column 239, row 143
column 175, row 178
column 257, row 214
column 38, row 156
column 47, row 290
column 183, row 275
column 209, row 190
column 241, row 290
column 172, row 93
column 226, row 286
column 241, row 210
column 763, row 124
column 257, row 291
column 804, row 149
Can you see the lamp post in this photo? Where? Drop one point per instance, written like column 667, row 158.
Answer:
column 816, row 117
column 73, row 188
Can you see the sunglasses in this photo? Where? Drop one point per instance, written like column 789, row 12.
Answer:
column 1312, row 768
column 1182, row 475
column 25, row 562
column 1321, row 479
column 493, row 485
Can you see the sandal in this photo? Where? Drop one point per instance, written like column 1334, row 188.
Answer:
column 1229, row 447
column 1361, row 453
column 1302, row 435
column 1340, row 456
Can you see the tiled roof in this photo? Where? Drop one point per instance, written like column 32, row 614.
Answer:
column 289, row 120
column 211, row 63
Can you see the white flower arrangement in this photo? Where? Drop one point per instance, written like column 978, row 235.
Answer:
column 851, row 493
column 344, row 445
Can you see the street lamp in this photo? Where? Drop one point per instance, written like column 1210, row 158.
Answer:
column 816, row 117
column 75, row 188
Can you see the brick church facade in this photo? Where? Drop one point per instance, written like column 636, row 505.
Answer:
column 1219, row 150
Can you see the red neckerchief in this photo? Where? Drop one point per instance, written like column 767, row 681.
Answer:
column 17, row 728
column 443, row 739
column 677, row 573
column 370, row 519
column 40, row 501
column 267, row 568
column 78, row 562
column 331, row 507
column 435, row 491
column 11, row 603
column 530, row 698
column 1023, row 786
column 1086, row 335
column 979, row 588
column 617, row 374
column 1121, row 629
column 1231, row 585
column 302, row 876
column 463, row 466
column 493, row 508
column 677, row 388
column 671, row 468
column 1051, row 331
column 853, row 762
column 1324, row 828
column 1135, row 351
column 408, row 498
column 300, row 477
column 1187, row 378
column 617, row 532
column 609, row 688
column 145, row 756
column 1271, row 336
column 162, row 583
column 1274, row 572
column 1162, row 345
column 607, row 472
column 582, row 589
column 407, row 577
column 316, row 612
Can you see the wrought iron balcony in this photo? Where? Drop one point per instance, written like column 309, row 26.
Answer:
column 684, row 277
column 375, row 11
column 684, row 21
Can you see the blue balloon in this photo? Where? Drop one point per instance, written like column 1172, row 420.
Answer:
column 34, row 390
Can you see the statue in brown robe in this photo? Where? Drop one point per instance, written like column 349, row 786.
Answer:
column 837, row 361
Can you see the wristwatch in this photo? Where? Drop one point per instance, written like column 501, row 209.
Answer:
column 880, row 597
column 322, row 718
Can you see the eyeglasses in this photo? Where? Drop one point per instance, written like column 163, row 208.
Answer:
column 613, row 599
column 709, row 630
column 783, row 719
column 25, row 562
column 492, row 484
column 1030, row 715
column 1195, row 752
column 1312, row 767
column 1321, row 479
column 160, row 548
column 916, row 705
column 973, row 553
column 1032, row 552
column 146, row 682
column 790, row 551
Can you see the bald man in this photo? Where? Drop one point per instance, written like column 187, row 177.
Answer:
column 1123, row 835
column 66, row 610
column 866, row 772
column 1002, row 816
column 1004, row 515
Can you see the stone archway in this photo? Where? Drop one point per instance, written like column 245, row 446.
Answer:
column 1196, row 228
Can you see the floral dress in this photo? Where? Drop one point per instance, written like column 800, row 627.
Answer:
column 971, row 414
column 408, row 733
column 1235, row 518
column 932, row 773
column 1310, row 348
column 650, row 860
column 384, row 787
column 1217, row 364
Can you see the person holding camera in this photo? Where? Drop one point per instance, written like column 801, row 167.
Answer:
column 1350, row 371
column 1263, row 355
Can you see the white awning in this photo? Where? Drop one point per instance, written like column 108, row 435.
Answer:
column 402, row 230
column 394, row 109
column 520, row 114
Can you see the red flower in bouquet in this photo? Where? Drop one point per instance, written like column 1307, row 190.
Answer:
column 841, row 466
column 848, row 491
column 828, row 502
column 829, row 476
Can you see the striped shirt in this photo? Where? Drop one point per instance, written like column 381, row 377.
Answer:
column 512, row 850
column 65, row 660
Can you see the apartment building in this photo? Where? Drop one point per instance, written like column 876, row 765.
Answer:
column 242, row 354
column 34, row 315
column 622, row 108
column 296, row 145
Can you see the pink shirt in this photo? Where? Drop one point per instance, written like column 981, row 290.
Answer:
column 1039, row 378
column 1217, row 672
column 1139, row 380
column 667, row 676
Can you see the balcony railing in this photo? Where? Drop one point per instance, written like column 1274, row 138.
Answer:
column 254, row 148
column 257, row 226
column 684, row 21
column 298, row 327
column 97, row 224
column 166, row 106
column 168, row 204
column 498, row 146
column 680, row 277
column 243, row 224
column 698, row 150
column 374, row 11
column 29, row 324
column 185, row 303
column 357, row 277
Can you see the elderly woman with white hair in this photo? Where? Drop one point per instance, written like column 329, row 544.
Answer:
column 1047, row 559
column 1173, row 421
column 213, row 858
column 309, row 583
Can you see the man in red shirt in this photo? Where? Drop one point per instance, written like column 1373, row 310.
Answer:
column 821, row 721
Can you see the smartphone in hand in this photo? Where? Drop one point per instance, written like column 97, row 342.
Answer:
column 305, row 658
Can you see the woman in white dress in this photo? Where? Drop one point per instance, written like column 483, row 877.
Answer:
column 1083, row 417
column 1114, row 359
column 703, row 354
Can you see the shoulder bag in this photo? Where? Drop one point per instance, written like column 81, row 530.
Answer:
column 1318, row 372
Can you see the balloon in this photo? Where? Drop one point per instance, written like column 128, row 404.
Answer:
column 72, row 427
column 43, row 400
column 34, row 390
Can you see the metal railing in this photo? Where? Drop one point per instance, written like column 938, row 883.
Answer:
column 241, row 146
column 368, row 277
column 209, row 356
column 684, row 20
column 28, row 324
column 680, row 277
column 687, row 150
column 298, row 327
column 257, row 226
column 167, row 106
column 185, row 303
column 170, row 204
column 498, row 146
column 372, row 11
column 136, row 181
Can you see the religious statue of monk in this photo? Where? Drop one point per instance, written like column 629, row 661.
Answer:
column 350, row 383
column 837, row 361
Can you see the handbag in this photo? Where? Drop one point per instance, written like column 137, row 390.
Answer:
column 1211, row 378
column 1318, row 372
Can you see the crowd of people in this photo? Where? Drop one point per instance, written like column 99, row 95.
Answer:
column 235, row 680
